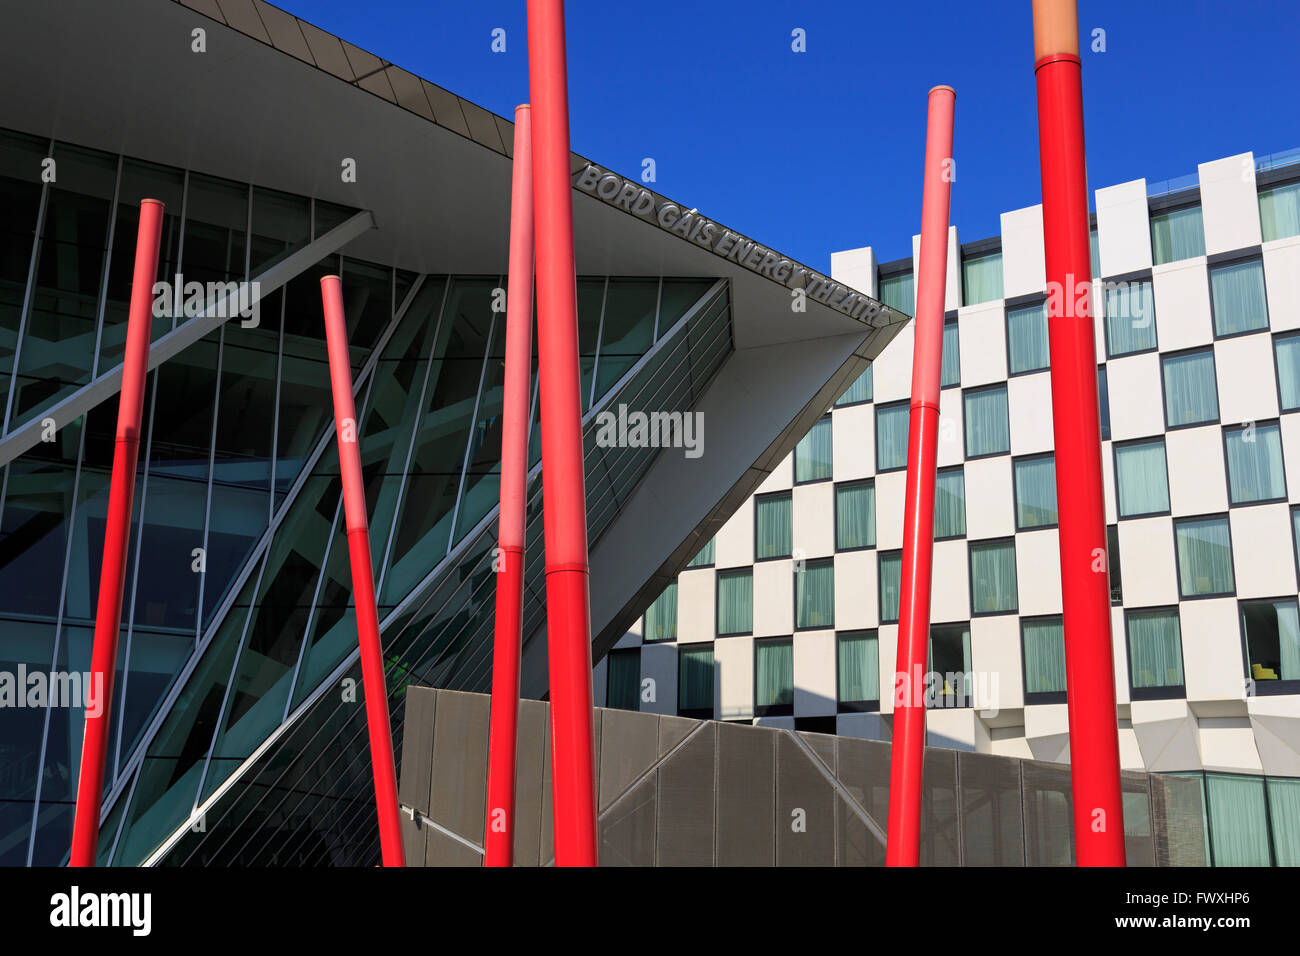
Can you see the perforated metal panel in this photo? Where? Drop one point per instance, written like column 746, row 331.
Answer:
column 940, row 836
column 686, row 832
column 863, row 767
column 991, row 819
column 805, row 809
column 1049, row 826
column 1178, row 817
column 746, row 795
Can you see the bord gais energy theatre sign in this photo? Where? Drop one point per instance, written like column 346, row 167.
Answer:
column 689, row 224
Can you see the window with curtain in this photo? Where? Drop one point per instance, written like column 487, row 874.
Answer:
column 1141, row 482
column 623, row 683
column 950, row 503
column 1295, row 532
column 1112, row 564
column 773, row 677
column 859, row 670
column 987, row 429
column 1279, row 211
column 735, row 601
column 1254, row 463
column 1191, row 395
column 1284, row 812
column 993, row 577
column 855, row 516
column 773, row 526
column 661, row 616
column 1237, row 814
column 1287, row 351
column 1177, row 234
column 1204, row 554
column 949, row 661
column 1155, row 653
column 814, row 594
column 858, row 392
column 1043, row 641
column 1027, row 338
column 981, row 278
column 1130, row 318
column 695, row 681
column 812, row 456
column 1103, row 400
column 898, row 292
column 1272, row 634
column 1035, row 487
column 1237, row 297
column 950, row 370
column 890, row 574
column 891, row 436
column 705, row 558
column 1094, row 252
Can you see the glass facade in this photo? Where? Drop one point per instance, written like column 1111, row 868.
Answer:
column 237, row 596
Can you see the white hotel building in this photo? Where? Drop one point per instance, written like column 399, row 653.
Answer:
column 789, row 617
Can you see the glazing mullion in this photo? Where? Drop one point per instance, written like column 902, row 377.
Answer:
column 275, row 424
column 135, row 778
column 212, row 472
column 103, row 282
column 473, row 424
column 415, row 427
column 595, row 364
column 659, row 305
column 58, row 635
column 27, row 297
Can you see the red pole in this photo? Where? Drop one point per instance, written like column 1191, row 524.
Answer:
column 117, row 533
column 903, row 847
column 363, row 583
column 499, row 828
column 1085, row 582
column 568, row 610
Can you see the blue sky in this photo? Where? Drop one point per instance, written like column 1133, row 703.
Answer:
column 818, row 151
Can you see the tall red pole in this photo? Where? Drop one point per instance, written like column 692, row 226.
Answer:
column 363, row 583
column 117, row 534
column 903, row 847
column 568, row 611
column 499, row 828
column 1085, row 581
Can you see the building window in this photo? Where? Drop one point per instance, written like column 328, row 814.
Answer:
column 1177, row 234
column 1094, row 251
column 812, row 456
column 1112, row 563
column 858, row 392
column 735, row 601
column 623, row 684
column 1103, row 402
column 814, row 594
column 950, row 664
column 1237, row 297
column 950, row 503
column 773, row 526
column 1141, row 483
column 774, row 677
column 981, row 278
column 1204, row 553
column 661, row 616
column 858, row 671
column 950, row 370
column 1271, row 630
column 1035, row 489
column 1191, row 396
column 987, row 428
column 695, row 681
column 1286, row 348
column 1130, row 318
column 898, row 292
column 890, row 573
column 1295, row 534
column 891, row 436
column 855, row 516
column 993, row 577
column 1254, row 463
column 1027, row 338
column 1155, row 653
column 705, row 558
column 1043, row 641
column 1237, row 815
column 1279, row 211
